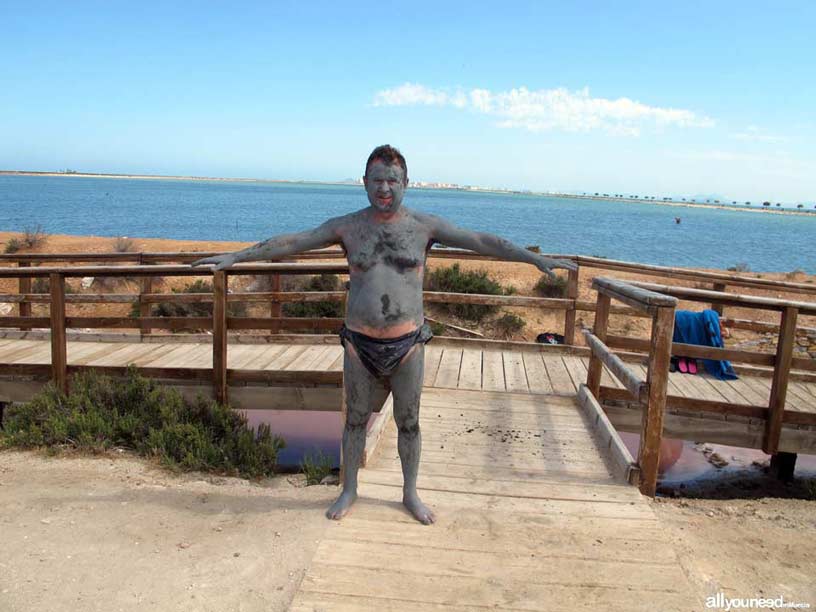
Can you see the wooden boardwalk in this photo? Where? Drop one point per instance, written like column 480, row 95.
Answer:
column 449, row 367
column 529, row 518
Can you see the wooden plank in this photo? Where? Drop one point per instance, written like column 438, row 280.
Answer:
column 172, row 358
column 616, row 365
column 470, row 376
column 157, row 351
column 433, row 355
column 632, row 293
column 40, row 353
column 535, row 489
column 307, row 358
column 514, row 375
column 118, row 355
column 263, row 356
column 575, row 367
column 692, row 350
column 493, row 371
column 337, row 588
column 779, row 386
column 728, row 299
column 537, row 377
column 449, row 366
column 59, row 347
column 283, row 359
column 559, row 377
column 621, row 459
column 328, row 358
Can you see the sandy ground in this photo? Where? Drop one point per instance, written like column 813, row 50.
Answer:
column 745, row 548
column 116, row 533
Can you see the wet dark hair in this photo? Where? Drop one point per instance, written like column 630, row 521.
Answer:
column 388, row 155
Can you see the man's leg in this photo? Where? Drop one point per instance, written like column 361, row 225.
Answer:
column 364, row 393
column 406, row 385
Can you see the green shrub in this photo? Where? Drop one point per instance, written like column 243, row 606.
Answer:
column 191, row 309
column 316, row 310
column 123, row 244
column 551, row 287
column 455, row 280
column 316, row 466
column 12, row 246
column 509, row 324
column 42, row 284
column 438, row 329
column 100, row 413
column 34, row 237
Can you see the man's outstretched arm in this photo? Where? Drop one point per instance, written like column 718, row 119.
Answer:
column 489, row 244
column 279, row 246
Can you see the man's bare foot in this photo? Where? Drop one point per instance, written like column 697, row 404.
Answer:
column 341, row 506
column 421, row 512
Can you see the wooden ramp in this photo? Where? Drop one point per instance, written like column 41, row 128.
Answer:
column 529, row 518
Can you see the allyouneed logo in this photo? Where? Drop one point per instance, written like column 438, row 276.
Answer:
column 735, row 603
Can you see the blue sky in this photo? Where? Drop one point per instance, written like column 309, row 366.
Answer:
column 661, row 98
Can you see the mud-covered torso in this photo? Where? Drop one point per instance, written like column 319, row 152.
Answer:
column 386, row 268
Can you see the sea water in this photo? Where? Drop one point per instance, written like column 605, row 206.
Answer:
column 255, row 210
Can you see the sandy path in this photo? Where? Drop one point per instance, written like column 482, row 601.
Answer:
column 118, row 534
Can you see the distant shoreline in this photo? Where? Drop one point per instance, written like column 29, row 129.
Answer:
column 762, row 209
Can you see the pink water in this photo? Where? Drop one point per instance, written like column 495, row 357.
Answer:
column 683, row 461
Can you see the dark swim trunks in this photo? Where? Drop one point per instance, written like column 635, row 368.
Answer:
column 381, row 356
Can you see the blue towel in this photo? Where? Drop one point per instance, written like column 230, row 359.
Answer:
column 703, row 328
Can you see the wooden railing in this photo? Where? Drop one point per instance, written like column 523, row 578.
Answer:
column 717, row 281
column 219, row 324
column 651, row 393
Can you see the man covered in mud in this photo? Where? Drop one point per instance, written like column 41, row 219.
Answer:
column 385, row 332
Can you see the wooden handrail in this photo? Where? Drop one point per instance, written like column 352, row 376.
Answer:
column 693, row 275
column 173, row 270
column 636, row 297
column 653, row 392
column 728, row 299
column 637, row 387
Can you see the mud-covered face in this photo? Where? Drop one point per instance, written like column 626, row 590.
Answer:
column 385, row 185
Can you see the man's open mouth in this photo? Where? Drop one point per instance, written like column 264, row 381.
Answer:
column 384, row 201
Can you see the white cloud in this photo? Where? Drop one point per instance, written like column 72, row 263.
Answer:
column 755, row 134
column 547, row 109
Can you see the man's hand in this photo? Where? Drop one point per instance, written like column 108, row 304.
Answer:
column 546, row 263
column 220, row 261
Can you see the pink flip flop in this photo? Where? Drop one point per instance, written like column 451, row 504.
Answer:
column 692, row 366
column 682, row 366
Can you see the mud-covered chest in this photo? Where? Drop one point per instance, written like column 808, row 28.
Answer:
column 401, row 248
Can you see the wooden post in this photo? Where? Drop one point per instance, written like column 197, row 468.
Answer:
column 779, row 386
column 220, row 336
column 24, row 287
column 145, row 287
column 718, row 307
column 569, row 315
column 59, row 347
column 595, row 367
column 651, row 433
column 783, row 466
column 275, row 305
